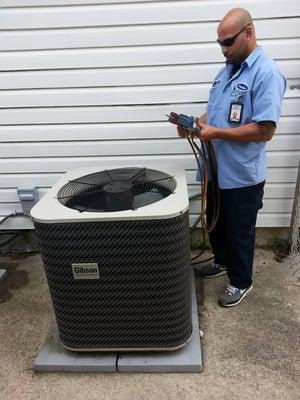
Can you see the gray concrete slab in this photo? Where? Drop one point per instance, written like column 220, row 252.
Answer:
column 186, row 359
column 53, row 357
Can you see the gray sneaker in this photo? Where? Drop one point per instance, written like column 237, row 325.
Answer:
column 233, row 296
column 3, row 274
column 212, row 270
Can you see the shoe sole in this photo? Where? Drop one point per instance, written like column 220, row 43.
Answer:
column 213, row 276
column 245, row 294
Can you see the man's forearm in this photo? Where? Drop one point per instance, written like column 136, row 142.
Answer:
column 253, row 132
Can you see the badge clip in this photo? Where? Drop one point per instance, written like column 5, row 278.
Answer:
column 235, row 113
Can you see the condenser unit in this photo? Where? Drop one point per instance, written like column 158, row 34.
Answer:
column 116, row 251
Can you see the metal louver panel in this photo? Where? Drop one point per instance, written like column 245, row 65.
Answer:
column 142, row 299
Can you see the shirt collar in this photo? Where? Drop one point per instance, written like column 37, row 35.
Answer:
column 250, row 60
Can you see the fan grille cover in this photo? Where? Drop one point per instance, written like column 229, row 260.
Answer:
column 142, row 299
column 116, row 190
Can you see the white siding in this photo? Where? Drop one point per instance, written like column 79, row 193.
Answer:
column 89, row 82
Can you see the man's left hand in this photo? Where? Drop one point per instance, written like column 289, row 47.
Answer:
column 207, row 132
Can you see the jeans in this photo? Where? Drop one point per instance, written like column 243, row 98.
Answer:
column 233, row 238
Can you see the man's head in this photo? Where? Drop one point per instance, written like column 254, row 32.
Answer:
column 236, row 35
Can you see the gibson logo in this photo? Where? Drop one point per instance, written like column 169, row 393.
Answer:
column 85, row 271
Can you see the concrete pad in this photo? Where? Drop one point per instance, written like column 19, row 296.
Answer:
column 53, row 357
column 186, row 359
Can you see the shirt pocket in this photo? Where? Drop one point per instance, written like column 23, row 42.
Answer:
column 212, row 96
column 246, row 100
column 213, row 108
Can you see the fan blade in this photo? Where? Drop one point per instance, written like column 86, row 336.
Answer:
column 95, row 204
column 146, row 198
column 140, row 173
column 154, row 184
column 108, row 174
column 84, row 183
column 154, row 180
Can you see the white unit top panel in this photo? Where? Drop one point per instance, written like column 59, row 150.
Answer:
column 50, row 210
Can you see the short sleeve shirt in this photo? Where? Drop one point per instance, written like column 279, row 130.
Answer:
column 258, row 87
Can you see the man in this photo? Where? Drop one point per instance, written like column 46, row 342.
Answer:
column 242, row 112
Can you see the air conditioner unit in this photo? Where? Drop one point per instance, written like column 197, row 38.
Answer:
column 116, row 251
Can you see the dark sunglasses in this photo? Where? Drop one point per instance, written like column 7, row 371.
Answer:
column 229, row 41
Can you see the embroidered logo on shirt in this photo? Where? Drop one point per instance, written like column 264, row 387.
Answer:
column 215, row 83
column 238, row 91
column 243, row 87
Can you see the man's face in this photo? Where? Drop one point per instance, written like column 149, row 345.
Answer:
column 234, row 44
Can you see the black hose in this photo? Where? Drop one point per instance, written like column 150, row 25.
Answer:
column 10, row 239
column 209, row 163
column 194, row 196
column 13, row 232
column 15, row 214
column 6, row 217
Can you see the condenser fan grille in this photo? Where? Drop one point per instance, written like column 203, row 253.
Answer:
column 116, row 190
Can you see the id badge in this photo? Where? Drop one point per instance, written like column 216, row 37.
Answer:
column 235, row 112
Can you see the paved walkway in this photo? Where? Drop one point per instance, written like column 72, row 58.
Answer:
column 250, row 351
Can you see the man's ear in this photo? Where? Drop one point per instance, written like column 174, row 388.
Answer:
column 249, row 32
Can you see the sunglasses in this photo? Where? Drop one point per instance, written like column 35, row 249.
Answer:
column 229, row 41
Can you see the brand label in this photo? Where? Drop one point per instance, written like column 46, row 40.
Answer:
column 85, row 271
column 242, row 86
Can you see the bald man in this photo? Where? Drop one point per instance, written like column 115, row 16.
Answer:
column 242, row 113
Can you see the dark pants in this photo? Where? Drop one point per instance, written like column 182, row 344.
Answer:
column 233, row 238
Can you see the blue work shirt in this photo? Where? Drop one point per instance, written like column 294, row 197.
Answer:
column 259, row 86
